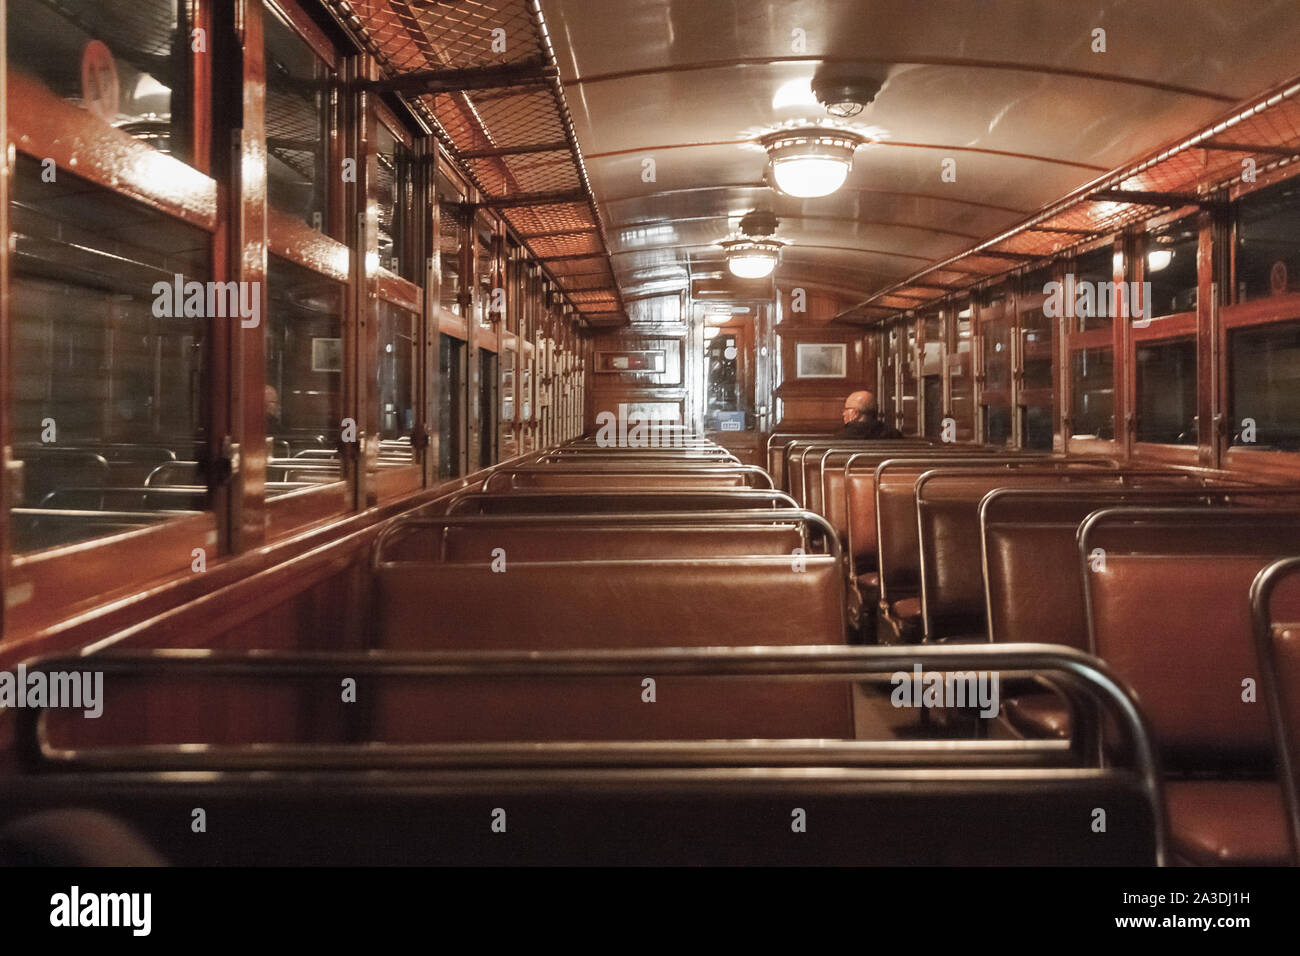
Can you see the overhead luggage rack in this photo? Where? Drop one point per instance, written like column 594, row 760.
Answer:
column 1195, row 171
column 484, row 78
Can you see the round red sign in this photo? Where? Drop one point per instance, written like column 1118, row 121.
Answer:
column 99, row 90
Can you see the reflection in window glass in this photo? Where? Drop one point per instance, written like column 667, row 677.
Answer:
column 304, row 376
column 1171, row 268
column 962, row 377
column 452, row 230
column 509, row 446
column 394, row 187
column 888, row 402
column 1093, row 393
column 485, row 265
column 298, row 114
column 117, row 58
column 1166, row 392
column 395, row 385
column 108, row 372
column 451, row 386
column 1268, row 242
column 907, row 395
column 932, row 356
column 1265, row 377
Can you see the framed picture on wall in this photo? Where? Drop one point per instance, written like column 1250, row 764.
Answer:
column 819, row 360
column 327, row 355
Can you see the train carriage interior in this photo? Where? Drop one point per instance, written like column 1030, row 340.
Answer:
column 650, row 432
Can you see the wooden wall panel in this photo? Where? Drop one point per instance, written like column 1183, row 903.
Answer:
column 656, row 324
column 819, row 401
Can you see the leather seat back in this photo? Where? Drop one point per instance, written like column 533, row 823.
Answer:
column 948, row 518
column 1168, row 608
column 1030, row 554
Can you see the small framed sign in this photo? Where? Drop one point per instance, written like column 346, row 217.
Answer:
column 649, row 360
column 817, row 360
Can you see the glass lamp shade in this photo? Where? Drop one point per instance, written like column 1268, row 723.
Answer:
column 752, row 265
column 807, row 177
column 811, row 162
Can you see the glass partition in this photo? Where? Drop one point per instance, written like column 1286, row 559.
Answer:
column 1166, row 392
column 109, row 365
column 1264, row 377
column 304, row 377
column 299, row 117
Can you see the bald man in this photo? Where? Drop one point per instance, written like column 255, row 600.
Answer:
column 861, row 420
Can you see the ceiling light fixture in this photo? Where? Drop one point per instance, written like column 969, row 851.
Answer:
column 844, row 89
column 752, row 252
column 811, row 162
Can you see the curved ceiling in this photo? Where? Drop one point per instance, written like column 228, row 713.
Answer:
column 1012, row 91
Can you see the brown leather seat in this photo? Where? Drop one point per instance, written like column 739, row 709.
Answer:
column 1227, row 822
column 1169, row 611
column 897, row 535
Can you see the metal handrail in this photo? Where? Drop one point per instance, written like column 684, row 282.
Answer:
column 655, row 470
column 692, row 519
column 777, row 499
column 1079, row 673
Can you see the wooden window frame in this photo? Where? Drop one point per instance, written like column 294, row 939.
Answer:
column 319, row 252
column 56, row 584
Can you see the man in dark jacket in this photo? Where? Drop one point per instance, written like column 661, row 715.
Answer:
column 861, row 420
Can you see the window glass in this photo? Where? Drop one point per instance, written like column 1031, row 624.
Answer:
column 997, row 355
column 396, row 383
column 1037, row 334
column 509, row 446
column 907, row 396
column 722, row 375
column 888, row 402
column 452, row 230
column 117, row 58
column 1093, row 393
column 932, row 357
column 298, row 119
column 451, row 386
column 997, row 424
column 962, row 376
column 1038, row 361
column 1166, row 392
column 1265, row 383
column 487, row 446
column 394, row 187
column 1098, row 269
column 485, row 265
column 1268, row 242
column 109, row 373
column 304, row 376
column 1171, row 268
